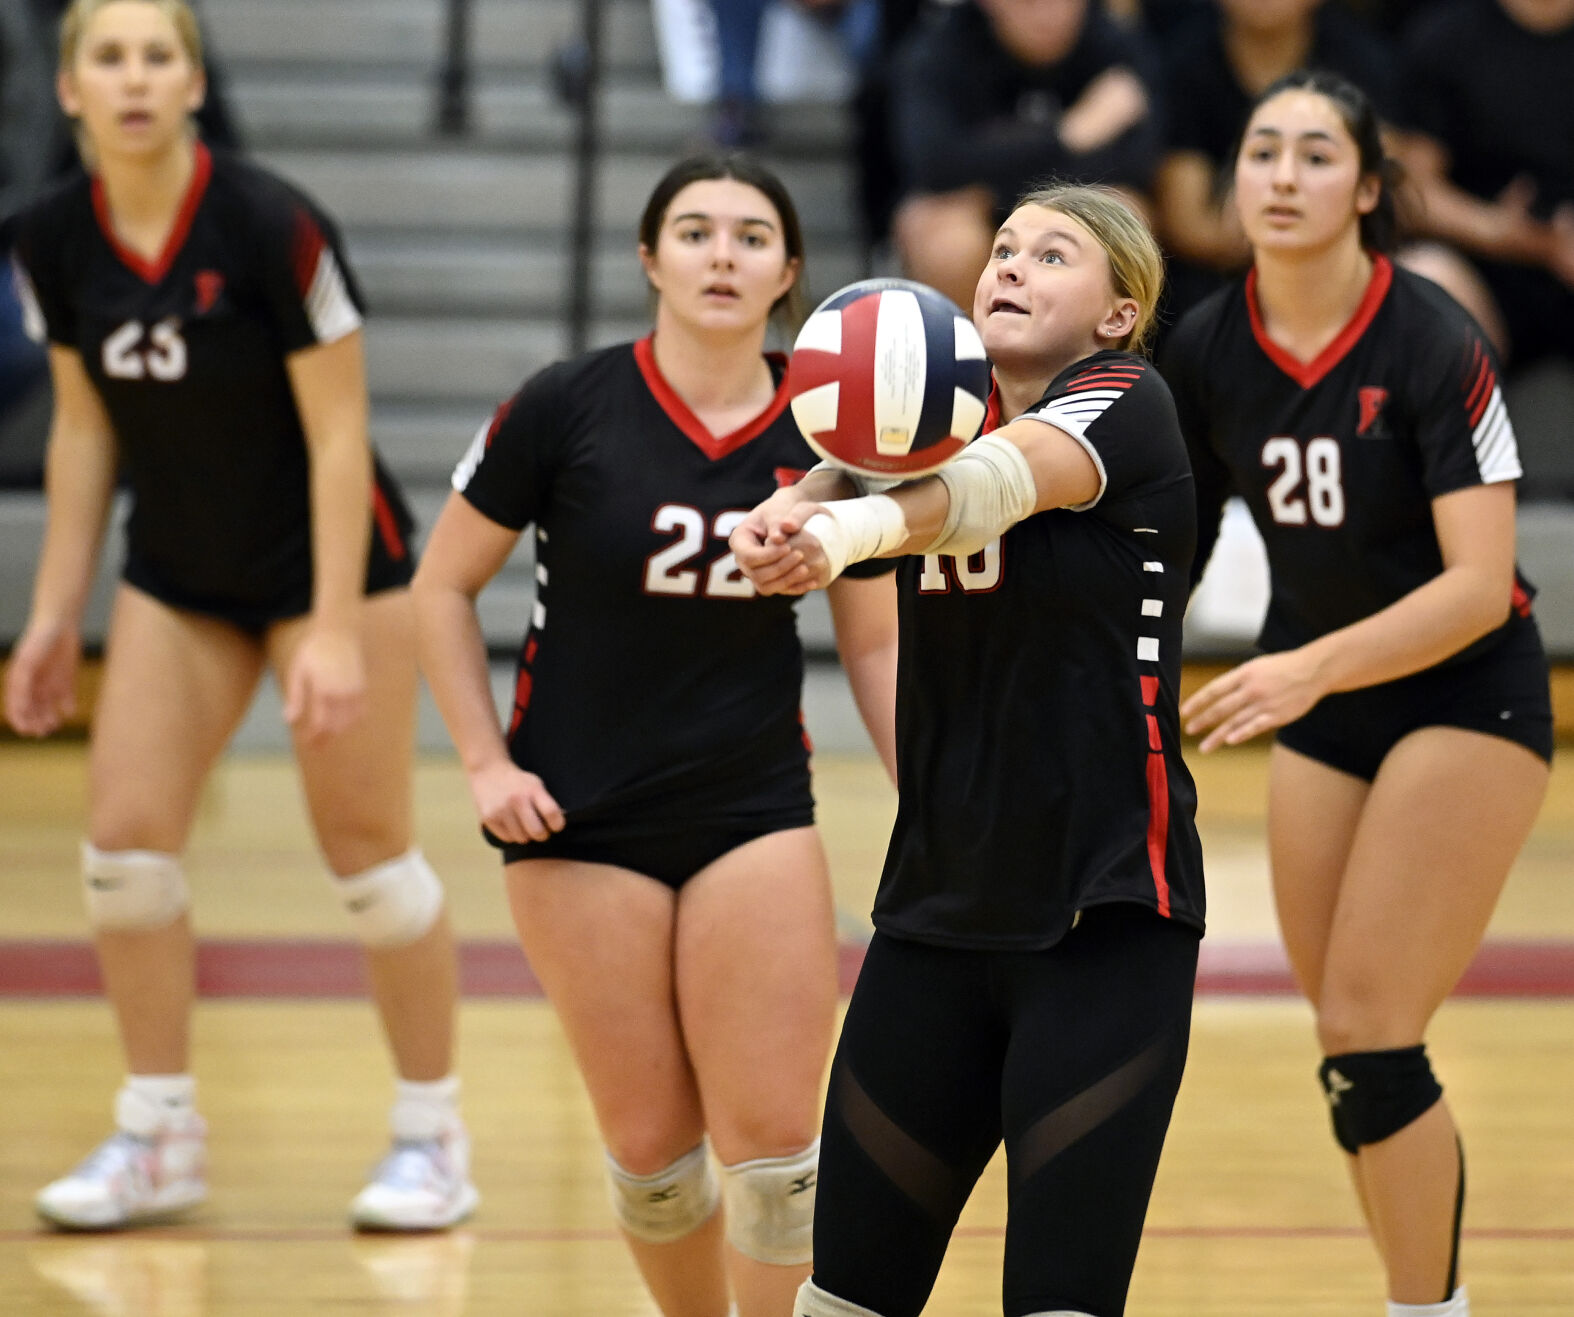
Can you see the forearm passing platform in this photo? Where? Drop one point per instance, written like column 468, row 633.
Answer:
column 991, row 487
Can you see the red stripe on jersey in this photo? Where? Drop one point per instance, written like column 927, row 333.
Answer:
column 1308, row 373
column 679, row 414
column 154, row 271
column 1155, row 741
column 1521, row 598
column 522, row 690
column 498, row 417
column 387, row 525
column 1150, row 690
column 530, row 650
column 1103, row 380
column 1480, row 393
column 306, row 252
column 1159, row 827
column 992, row 406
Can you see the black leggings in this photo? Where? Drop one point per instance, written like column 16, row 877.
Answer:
column 1073, row 1055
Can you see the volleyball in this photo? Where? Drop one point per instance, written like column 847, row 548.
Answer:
column 888, row 379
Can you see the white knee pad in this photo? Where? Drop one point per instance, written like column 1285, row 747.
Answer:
column 812, row 1301
column 393, row 904
column 669, row 1204
column 130, row 890
column 770, row 1206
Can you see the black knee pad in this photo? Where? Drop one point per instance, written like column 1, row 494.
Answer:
column 1372, row 1095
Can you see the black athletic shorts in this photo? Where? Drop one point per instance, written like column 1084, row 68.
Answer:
column 383, row 572
column 1502, row 692
column 670, row 852
column 1072, row 1055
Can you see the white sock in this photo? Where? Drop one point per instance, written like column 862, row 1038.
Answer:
column 1457, row 1306
column 147, row 1103
column 424, row 1109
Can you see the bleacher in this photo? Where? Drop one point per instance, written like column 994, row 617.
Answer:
column 461, row 243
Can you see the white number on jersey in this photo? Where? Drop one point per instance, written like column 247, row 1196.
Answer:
column 133, row 352
column 664, row 570
column 980, row 579
column 1324, row 488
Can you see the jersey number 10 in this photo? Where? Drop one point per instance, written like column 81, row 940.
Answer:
column 1323, row 493
column 133, row 352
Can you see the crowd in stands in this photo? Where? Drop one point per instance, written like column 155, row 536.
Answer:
column 965, row 103
column 969, row 102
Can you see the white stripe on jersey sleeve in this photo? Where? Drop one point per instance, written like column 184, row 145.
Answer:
column 32, row 314
column 1073, row 414
column 465, row 471
column 328, row 305
column 1497, row 453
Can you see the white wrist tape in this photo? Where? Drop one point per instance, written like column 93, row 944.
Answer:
column 852, row 529
column 991, row 487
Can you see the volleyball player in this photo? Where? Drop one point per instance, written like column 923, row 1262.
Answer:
column 1031, row 972
column 651, row 795
column 1356, row 409
column 204, row 338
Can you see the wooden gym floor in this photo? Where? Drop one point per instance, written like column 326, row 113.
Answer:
column 1251, row 1214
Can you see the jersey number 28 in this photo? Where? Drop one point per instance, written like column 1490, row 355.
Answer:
column 1324, row 489
column 134, row 352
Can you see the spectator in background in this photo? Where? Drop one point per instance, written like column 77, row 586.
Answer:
column 994, row 96
column 1213, row 75
column 1488, row 113
column 738, row 26
column 26, row 115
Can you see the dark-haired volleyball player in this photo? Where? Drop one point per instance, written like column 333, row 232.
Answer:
column 1030, row 977
column 651, row 794
column 204, row 339
column 1357, row 411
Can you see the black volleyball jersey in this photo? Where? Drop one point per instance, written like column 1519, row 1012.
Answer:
column 188, row 354
column 1339, row 459
column 653, row 675
column 1038, row 737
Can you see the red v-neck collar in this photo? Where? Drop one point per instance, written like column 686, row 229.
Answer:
column 1309, row 373
column 693, row 428
column 154, row 271
column 992, row 407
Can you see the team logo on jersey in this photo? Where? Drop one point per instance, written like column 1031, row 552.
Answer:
column 210, row 283
column 1371, row 424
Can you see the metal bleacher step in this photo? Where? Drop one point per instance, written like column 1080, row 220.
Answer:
column 519, row 111
column 486, row 274
column 507, row 34
column 465, row 187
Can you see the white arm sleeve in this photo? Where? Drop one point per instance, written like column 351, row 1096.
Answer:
column 991, row 487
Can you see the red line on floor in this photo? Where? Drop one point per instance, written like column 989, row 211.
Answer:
column 304, row 967
column 549, row 1235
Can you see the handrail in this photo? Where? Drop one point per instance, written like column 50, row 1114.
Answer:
column 577, row 72
column 453, row 77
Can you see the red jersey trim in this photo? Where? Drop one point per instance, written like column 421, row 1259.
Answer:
column 693, row 428
column 992, row 406
column 1158, row 799
column 1309, row 373
column 154, row 271
column 387, row 525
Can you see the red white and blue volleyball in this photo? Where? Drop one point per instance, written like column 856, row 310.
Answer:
column 888, row 379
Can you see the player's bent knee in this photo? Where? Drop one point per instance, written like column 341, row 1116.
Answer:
column 394, row 903
column 770, row 1206
column 1373, row 1095
column 668, row 1204
column 129, row 891
column 812, row 1301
